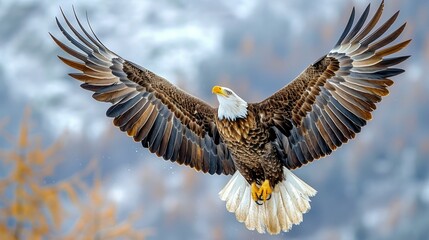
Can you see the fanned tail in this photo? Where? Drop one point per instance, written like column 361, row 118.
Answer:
column 289, row 201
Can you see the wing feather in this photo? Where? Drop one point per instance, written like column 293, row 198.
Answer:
column 332, row 100
column 166, row 136
column 169, row 122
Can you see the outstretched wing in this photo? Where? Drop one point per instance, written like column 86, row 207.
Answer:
column 168, row 121
column 328, row 103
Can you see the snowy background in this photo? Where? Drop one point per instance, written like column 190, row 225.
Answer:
column 375, row 187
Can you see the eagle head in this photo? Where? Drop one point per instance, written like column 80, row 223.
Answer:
column 231, row 106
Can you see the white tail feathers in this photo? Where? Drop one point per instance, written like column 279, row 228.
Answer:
column 289, row 201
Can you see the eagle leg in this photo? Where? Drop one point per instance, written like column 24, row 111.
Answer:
column 265, row 191
column 254, row 191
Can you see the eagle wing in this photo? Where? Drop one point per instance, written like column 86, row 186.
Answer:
column 167, row 121
column 331, row 100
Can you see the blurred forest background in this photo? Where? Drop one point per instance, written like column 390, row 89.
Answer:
column 67, row 173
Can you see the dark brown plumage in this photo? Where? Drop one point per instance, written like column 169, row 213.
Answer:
column 249, row 142
column 324, row 107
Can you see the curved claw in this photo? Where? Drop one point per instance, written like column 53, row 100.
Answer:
column 261, row 199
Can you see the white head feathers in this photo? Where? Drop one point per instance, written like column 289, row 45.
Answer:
column 231, row 106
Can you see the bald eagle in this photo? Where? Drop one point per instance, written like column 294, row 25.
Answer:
column 258, row 143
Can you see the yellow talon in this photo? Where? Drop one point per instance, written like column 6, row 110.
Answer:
column 254, row 190
column 265, row 191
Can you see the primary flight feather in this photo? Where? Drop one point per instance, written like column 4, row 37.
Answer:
column 258, row 143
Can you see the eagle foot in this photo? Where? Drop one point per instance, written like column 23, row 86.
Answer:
column 254, row 191
column 261, row 194
column 265, row 191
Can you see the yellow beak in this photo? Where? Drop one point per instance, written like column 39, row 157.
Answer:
column 218, row 90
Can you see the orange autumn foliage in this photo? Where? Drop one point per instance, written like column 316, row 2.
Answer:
column 32, row 209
